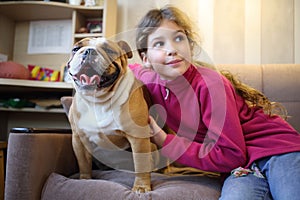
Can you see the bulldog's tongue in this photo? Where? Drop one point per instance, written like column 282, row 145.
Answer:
column 86, row 80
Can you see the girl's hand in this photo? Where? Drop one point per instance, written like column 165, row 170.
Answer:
column 158, row 135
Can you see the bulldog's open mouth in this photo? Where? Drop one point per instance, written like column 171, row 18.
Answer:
column 88, row 78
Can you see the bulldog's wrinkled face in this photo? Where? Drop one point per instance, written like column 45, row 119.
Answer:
column 97, row 63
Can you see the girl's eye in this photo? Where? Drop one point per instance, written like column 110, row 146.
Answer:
column 179, row 38
column 158, row 44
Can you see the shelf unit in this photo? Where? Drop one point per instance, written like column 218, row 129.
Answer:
column 15, row 17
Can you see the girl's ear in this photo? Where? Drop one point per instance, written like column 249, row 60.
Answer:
column 145, row 60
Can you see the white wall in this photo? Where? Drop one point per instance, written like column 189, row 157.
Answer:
column 233, row 31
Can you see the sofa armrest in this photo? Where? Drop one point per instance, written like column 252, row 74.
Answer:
column 32, row 157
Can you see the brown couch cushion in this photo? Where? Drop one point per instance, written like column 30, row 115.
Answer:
column 117, row 185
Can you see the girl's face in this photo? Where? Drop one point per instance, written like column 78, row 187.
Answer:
column 169, row 51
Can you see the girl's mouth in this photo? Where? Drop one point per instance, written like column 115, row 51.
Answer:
column 173, row 62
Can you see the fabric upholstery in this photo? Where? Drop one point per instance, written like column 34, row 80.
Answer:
column 31, row 158
column 282, row 84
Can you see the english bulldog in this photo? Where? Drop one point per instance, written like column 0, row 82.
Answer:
column 108, row 109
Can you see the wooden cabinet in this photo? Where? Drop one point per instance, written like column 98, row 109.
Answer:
column 15, row 17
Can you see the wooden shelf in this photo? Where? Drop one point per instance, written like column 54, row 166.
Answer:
column 83, row 35
column 34, row 84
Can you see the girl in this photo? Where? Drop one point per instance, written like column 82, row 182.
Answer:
column 220, row 124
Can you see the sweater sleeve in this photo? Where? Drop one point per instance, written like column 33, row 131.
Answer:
column 223, row 148
column 143, row 74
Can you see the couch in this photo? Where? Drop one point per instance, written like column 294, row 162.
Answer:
column 43, row 166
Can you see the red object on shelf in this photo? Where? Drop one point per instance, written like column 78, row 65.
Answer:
column 10, row 69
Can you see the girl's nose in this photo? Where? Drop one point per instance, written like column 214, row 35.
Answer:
column 171, row 52
column 171, row 49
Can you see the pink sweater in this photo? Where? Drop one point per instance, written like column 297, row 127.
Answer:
column 216, row 130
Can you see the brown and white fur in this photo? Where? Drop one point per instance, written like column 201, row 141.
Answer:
column 108, row 109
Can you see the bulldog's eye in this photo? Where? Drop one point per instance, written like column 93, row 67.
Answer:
column 75, row 49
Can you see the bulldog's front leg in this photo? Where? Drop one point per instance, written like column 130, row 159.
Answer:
column 141, row 149
column 84, row 158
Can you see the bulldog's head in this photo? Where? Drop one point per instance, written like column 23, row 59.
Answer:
column 98, row 63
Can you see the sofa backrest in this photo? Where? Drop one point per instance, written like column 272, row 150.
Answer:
column 279, row 82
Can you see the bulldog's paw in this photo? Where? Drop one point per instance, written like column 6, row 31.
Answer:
column 141, row 188
column 142, row 183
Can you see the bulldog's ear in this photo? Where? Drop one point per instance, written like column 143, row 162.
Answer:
column 126, row 48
